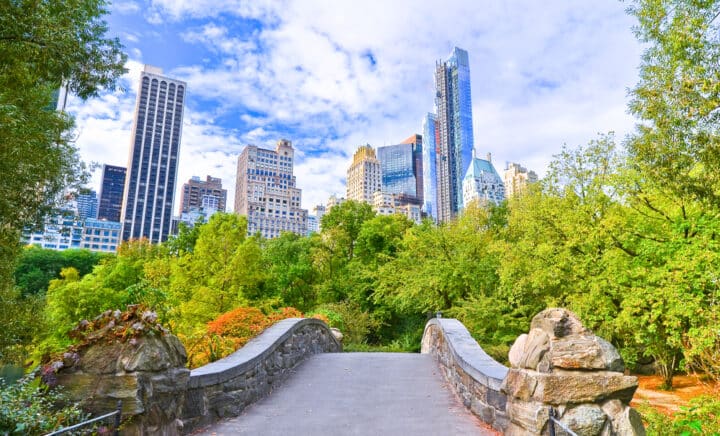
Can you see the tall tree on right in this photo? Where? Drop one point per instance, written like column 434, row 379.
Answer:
column 673, row 181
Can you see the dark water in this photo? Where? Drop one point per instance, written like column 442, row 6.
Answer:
column 10, row 373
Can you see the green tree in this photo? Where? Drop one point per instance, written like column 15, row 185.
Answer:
column 44, row 44
column 185, row 239
column 291, row 274
column 345, row 221
column 676, row 99
column 37, row 266
column 673, row 182
column 225, row 270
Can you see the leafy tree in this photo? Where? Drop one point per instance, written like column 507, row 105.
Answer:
column 345, row 221
column 115, row 283
column 43, row 44
column 224, row 271
column 184, row 241
column 673, row 181
column 677, row 96
column 291, row 274
column 37, row 266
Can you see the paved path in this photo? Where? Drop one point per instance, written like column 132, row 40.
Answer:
column 358, row 394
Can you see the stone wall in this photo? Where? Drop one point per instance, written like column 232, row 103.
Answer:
column 224, row 388
column 475, row 376
column 146, row 374
column 562, row 366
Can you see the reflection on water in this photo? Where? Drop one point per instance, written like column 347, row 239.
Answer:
column 10, row 373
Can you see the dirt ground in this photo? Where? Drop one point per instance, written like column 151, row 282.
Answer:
column 685, row 387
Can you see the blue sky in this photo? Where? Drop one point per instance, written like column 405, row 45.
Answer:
column 332, row 75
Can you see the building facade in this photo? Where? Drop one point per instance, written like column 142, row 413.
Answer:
column 401, row 168
column 198, row 193
column 482, row 183
column 153, row 160
column 100, row 235
column 87, row 204
column 429, row 206
column 517, row 178
column 364, row 175
column 67, row 230
column 333, row 201
column 385, row 203
column 111, row 193
column 265, row 191
column 60, row 231
column 454, row 132
column 313, row 225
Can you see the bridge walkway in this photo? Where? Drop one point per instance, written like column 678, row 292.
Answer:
column 358, row 394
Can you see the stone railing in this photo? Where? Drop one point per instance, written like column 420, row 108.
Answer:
column 161, row 397
column 475, row 376
column 224, row 388
column 560, row 369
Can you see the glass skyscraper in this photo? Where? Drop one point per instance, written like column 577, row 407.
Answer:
column 153, row 162
column 453, row 108
column 401, row 169
column 111, row 193
column 429, row 206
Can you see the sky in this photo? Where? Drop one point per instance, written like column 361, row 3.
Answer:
column 333, row 75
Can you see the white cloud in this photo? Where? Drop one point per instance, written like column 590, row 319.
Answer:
column 125, row 7
column 333, row 75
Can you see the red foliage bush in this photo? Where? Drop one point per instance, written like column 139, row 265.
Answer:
column 231, row 330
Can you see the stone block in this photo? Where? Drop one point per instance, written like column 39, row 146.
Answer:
column 496, row 399
column 577, row 387
column 585, row 419
column 558, row 323
column 536, row 345
column 101, row 392
column 584, row 352
column 517, row 350
column 530, row 415
column 519, row 384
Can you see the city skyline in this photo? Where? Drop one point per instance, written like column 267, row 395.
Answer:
column 542, row 76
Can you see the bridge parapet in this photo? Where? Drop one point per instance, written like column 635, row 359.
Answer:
column 225, row 387
column 474, row 375
column 559, row 370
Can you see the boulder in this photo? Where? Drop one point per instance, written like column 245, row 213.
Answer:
column 517, row 350
column 585, row 352
column 577, row 387
column 558, row 323
column 534, row 348
column 563, row 365
column 585, row 420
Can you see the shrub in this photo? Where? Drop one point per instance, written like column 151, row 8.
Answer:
column 353, row 322
column 700, row 417
column 28, row 407
column 230, row 331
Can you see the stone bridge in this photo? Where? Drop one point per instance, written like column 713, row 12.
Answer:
column 292, row 379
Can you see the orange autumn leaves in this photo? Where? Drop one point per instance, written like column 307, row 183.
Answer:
column 231, row 330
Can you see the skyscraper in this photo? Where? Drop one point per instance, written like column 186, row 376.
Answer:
column 363, row 176
column 453, row 108
column 265, row 191
column 87, row 204
column 399, row 166
column 482, row 183
column 111, row 193
column 517, row 178
column 195, row 190
column 429, row 146
column 153, row 161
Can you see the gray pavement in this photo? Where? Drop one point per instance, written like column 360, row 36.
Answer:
column 358, row 394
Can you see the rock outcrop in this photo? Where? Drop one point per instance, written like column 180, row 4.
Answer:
column 128, row 357
column 562, row 365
